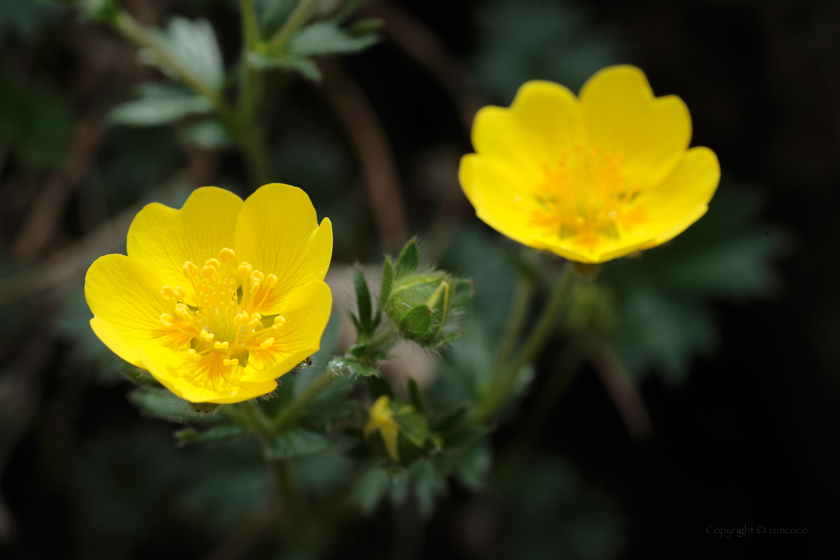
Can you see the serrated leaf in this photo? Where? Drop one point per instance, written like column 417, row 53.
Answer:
column 416, row 322
column 300, row 441
column 326, row 37
column 160, row 403
column 408, row 261
column 194, row 44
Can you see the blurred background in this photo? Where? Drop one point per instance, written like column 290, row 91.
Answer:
column 728, row 334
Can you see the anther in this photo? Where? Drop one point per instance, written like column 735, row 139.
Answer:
column 180, row 292
column 190, row 269
column 271, row 280
column 240, row 319
column 227, row 255
column 233, row 362
column 193, row 354
column 267, row 343
column 221, row 345
column 244, row 270
column 279, row 321
column 257, row 276
column 166, row 319
column 167, row 293
column 214, row 263
column 208, row 336
column 208, row 271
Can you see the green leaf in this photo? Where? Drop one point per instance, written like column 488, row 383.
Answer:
column 429, row 484
column 416, row 322
column 194, row 44
column 300, row 441
column 207, row 133
column 363, row 302
column 216, row 433
column 160, row 403
column 412, row 424
column 371, row 488
column 326, row 37
column 408, row 261
column 472, row 463
column 288, row 61
column 416, row 395
column 157, row 105
column 275, row 14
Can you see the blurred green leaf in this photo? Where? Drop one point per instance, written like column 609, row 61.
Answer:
column 25, row 18
column 664, row 318
column 206, row 133
column 157, row 105
column 326, row 37
column 194, row 44
column 34, row 122
column 162, row 404
column 550, row 513
column 289, row 61
column 537, row 40
column 216, row 433
column 370, row 488
column 300, row 441
column 472, row 463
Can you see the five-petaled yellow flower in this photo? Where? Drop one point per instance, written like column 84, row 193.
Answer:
column 590, row 179
column 381, row 417
column 219, row 298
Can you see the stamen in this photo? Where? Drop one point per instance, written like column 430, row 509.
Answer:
column 167, row 293
column 233, row 362
column 267, row 343
column 279, row 321
column 227, row 256
column 189, row 269
column 244, row 270
column 221, row 345
column 215, row 264
column 166, row 319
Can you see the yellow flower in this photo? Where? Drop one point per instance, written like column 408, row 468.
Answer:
column 219, row 298
column 590, row 179
column 381, row 418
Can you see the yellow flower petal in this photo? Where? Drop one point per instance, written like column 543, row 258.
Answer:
column 206, row 380
column 163, row 238
column 381, row 417
column 683, row 197
column 623, row 118
column 548, row 116
column 124, row 296
column 502, row 199
column 306, row 311
column 278, row 233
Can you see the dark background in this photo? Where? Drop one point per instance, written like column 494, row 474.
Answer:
column 749, row 439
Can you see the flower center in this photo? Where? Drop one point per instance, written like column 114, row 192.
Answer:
column 585, row 194
column 219, row 317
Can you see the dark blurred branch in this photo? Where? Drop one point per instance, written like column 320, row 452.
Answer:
column 368, row 137
column 622, row 391
column 42, row 221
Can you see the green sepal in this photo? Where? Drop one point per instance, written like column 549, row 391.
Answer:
column 203, row 407
column 415, row 323
column 408, row 261
column 364, row 303
column 160, row 403
column 446, row 339
column 355, row 366
column 387, row 283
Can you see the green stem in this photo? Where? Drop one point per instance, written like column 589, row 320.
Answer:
column 258, row 420
column 518, row 313
column 296, row 19
column 289, row 416
column 251, row 136
column 504, row 382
